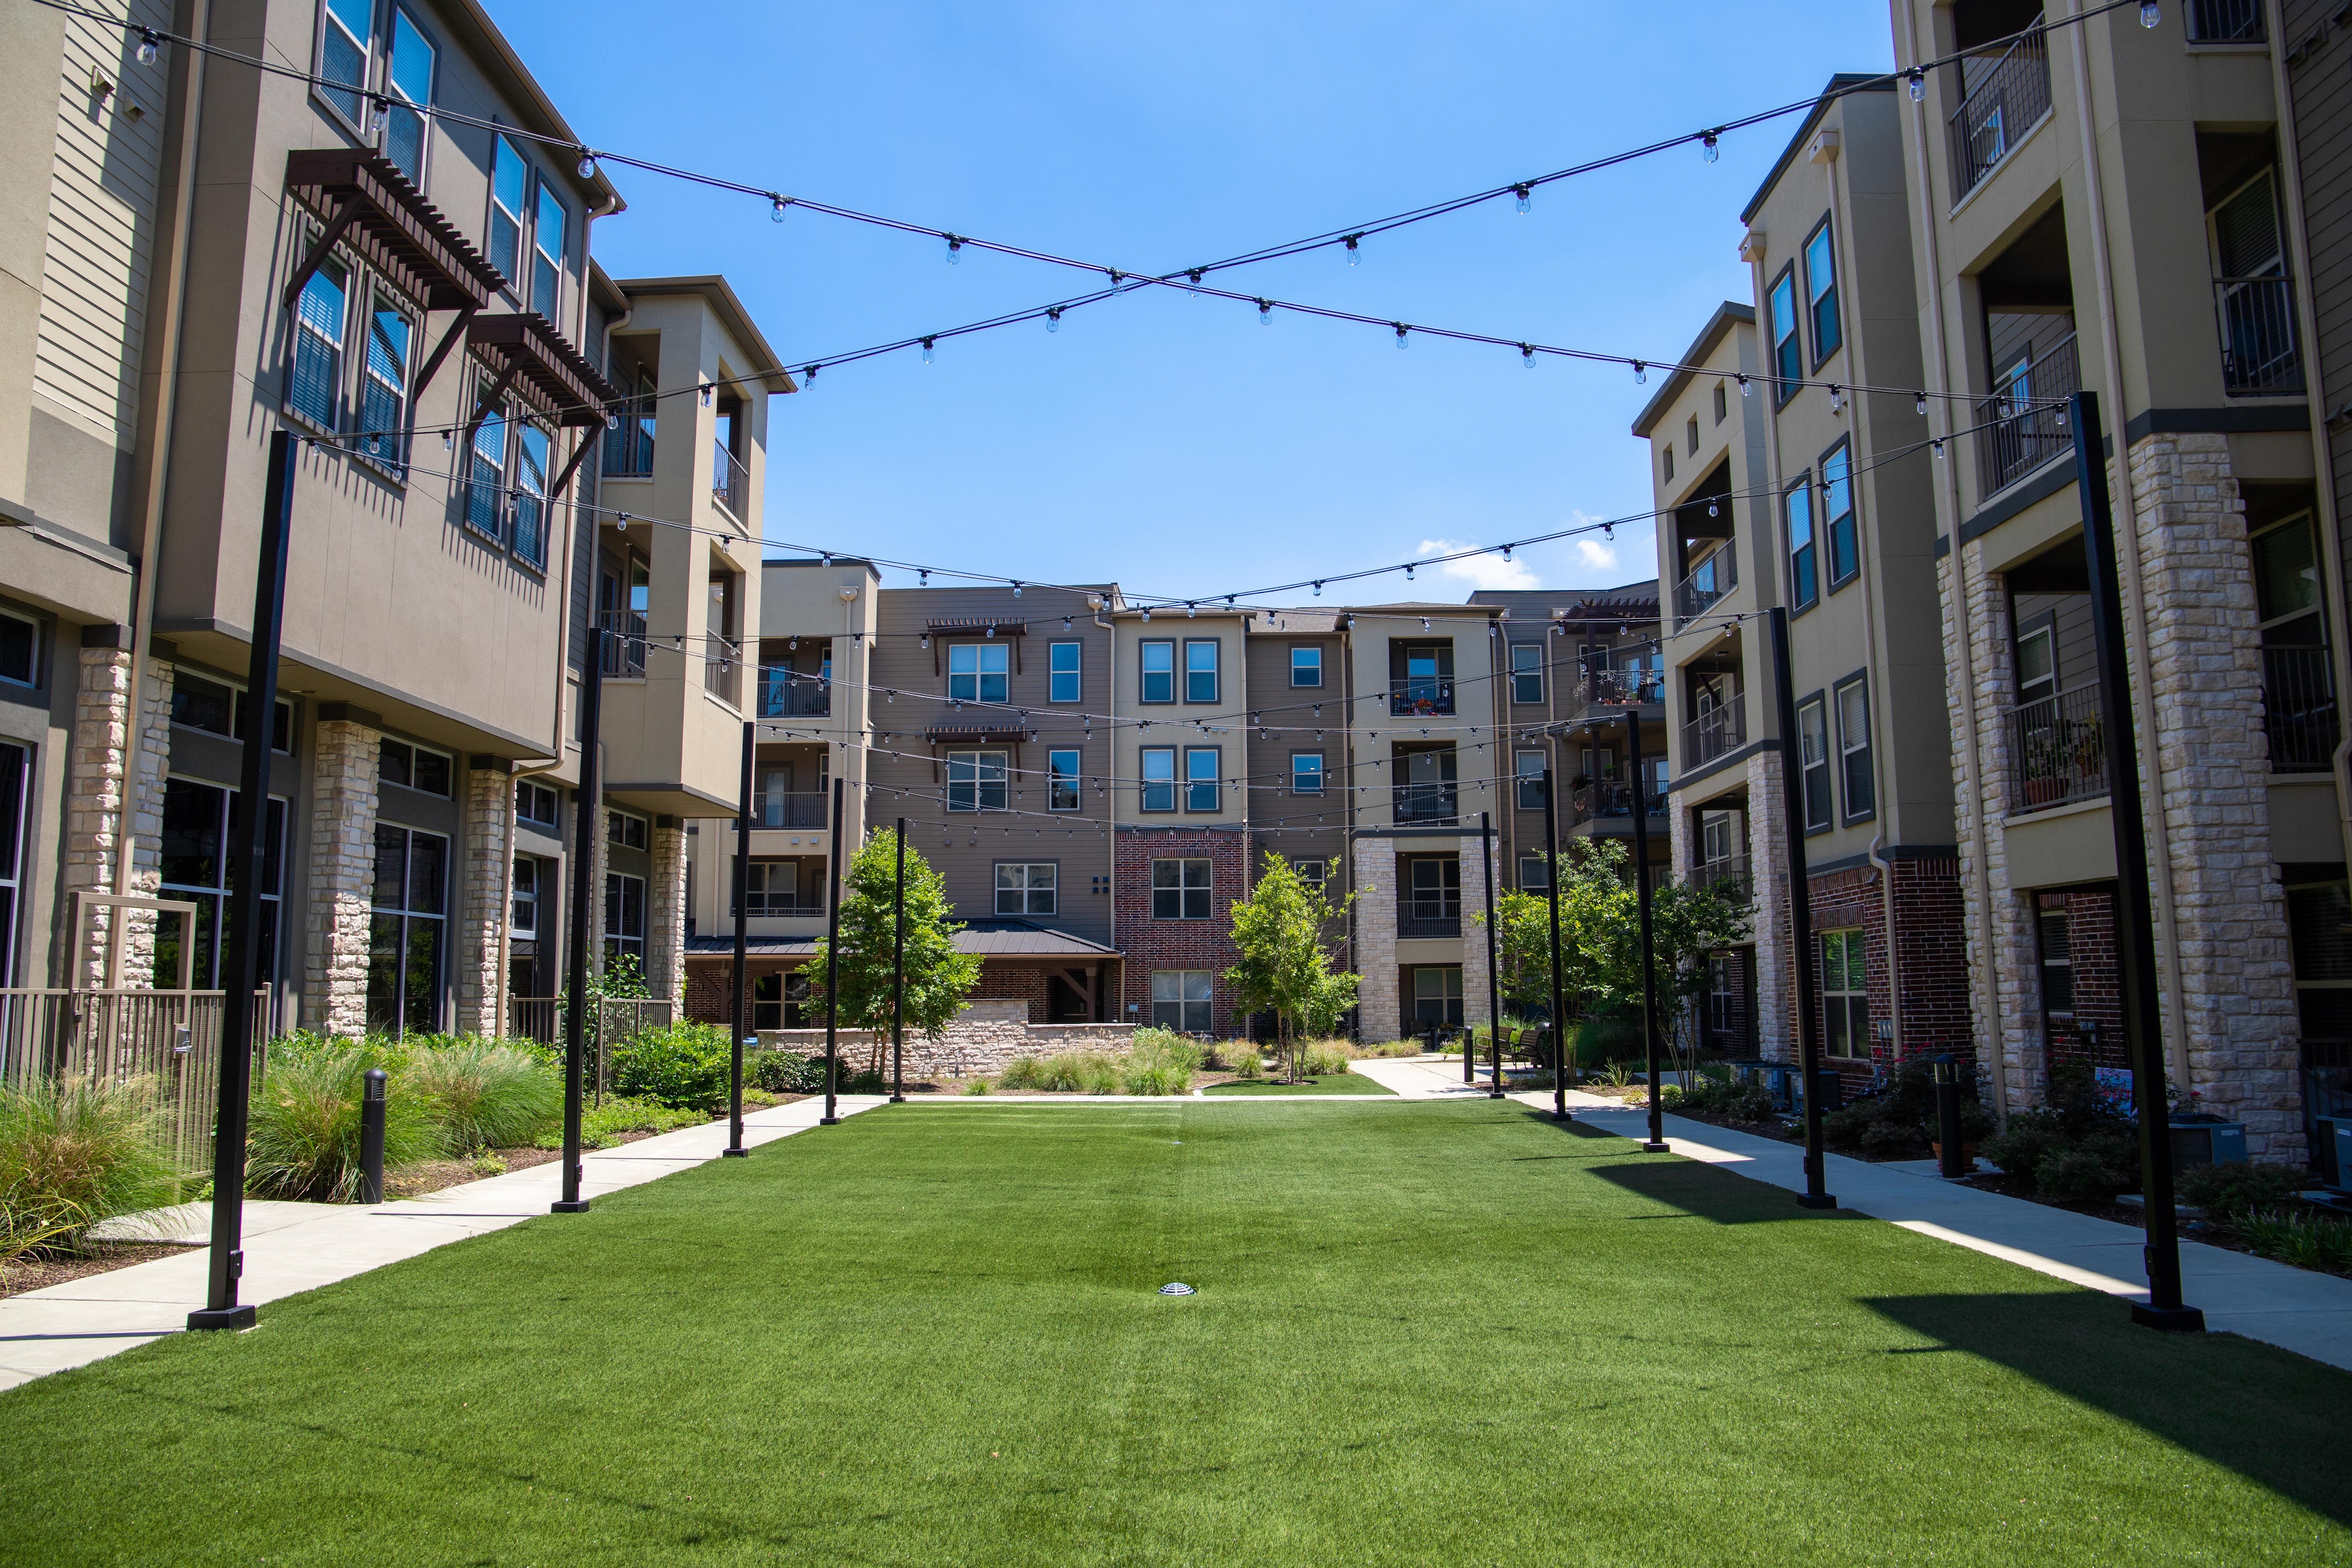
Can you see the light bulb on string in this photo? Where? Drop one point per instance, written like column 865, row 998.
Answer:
column 1744, row 389
column 1523, row 193
column 1708, row 148
column 927, row 350
column 1400, row 329
column 1354, row 251
column 1917, row 81
column 1711, row 509
column 2150, row 13
column 1527, row 355
column 587, row 165
column 1054, row 320
column 776, row 205
column 1408, row 571
column 612, row 419
column 808, row 377
column 1939, row 445
column 1265, row 312
column 1919, row 404
column 151, row 44
column 1641, row 373
column 624, row 524
column 705, row 394
column 955, row 249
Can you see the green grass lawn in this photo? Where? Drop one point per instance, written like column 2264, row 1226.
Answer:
column 1329, row 1083
column 1425, row 1333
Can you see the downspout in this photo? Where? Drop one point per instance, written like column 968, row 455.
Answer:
column 2323, row 459
column 1986, row 973
column 2135, row 603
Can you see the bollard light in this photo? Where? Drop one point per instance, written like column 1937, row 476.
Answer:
column 372, row 1109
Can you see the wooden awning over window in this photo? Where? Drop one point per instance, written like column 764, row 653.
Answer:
column 528, row 355
column 368, row 205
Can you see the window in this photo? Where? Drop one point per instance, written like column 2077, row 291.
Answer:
column 526, row 897
column 314, row 382
column 1837, row 505
column 1201, row 769
column 1854, row 748
column 414, row 767
column 1535, row 874
column 1690, row 435
column 977, row 672
column 773, row 887
column 530, row 494
column 624, row 916
column 20, row 650
column 1845, row 992
column 625, row 829
column 1027, row 888
column 1788, row 358
column 1181, row 890
column 1314, row 872
column 1306, row 772
column 409, row 75
column 1814, row 746
column 1062, row 781
column 198, row 822
column 536, row 803
column 486, row 495
column 1722, row 407
column 976, row 781
column 2037, row 664
column 1157, row 666
column 1804, row 586
column 1527, row 672
column 219, row 710
column 384, row 385
column 346, row 38
column 2054, row 923
column 1062, row 682
column 1666, row 457
column 1529, row 767
column 1437, row 995
column 410, row 906
column 1821, row 292
column 13, row 763
column 547, row 254
column 1159, row 778
column 1307, row 667
column 1183, row 1000
column 1200, row 669
column 510, row 192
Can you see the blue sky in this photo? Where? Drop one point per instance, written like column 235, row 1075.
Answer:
column 1169, row 443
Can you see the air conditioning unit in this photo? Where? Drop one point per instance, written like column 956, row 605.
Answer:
column 2332, row 1144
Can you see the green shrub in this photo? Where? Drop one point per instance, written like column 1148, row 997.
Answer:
column 1140, row 1074
column 1885, row 1139
column 1390, row 1048
column 1727, row 1097
column 683, row 1064
column 1614, row 1035
column 1079, row 1072
column 1021, row 1074
column 483, row 1094
column 2032, row 1137
column 977, row 1086
column 1325, row 1058
column 1248, row 1066
column 2233, row 1189
column 305, row 1136
column 75, row 1154
column 2078, row 1175
column 2303, row 1238
column 1167, row 1045
column 866, row 1080
column 785, row 1072
column 600, row 1126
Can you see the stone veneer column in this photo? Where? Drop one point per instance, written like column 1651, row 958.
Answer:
column 600, row 847
column 1476, row 868
column 1379, row 1009
column 1768, row 867
column 2212, row 760
column 666, row 912
column 95, row 795
column 343, row 783
column 482, row 910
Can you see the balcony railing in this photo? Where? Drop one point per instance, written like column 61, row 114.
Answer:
column 2023, row 426
column 2225, row 21
column 793, row 694
column 1421, row 696
column 730, row 481
column 1624, row 688
column 1610, row 800
column 782, row 808
column 625, row 642
column 1717, row 732
column 722, row 669
column 2008, row 99
column 2299, row 709
column 1425, row 803
column 783, row 906
column 1708, row 581
column 629, row 446
column 1734, row 868
column 2259, row 351
column 1429, row 917
column 2057, row 751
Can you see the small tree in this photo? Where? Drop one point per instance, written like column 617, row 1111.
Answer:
column 1599, row 941
column 1284, row 966
column 1689, row 920
column 938, row 977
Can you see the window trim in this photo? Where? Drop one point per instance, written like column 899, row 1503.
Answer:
column 979, row 782
column 393, row 92
column 1183, row 887
column 1722, row 403
column 1054, row 778
column 1214, row 783
column 1817, row 699
column 527, row 787
column 497, row 428
column 1812, row 301
column 1868, row 750
column 323, row 94
column 1802, row 485
column 1523, row 782
column 1076, row 672
column 1182, row 1004
column 39, row 640
column 614, row 815
column 1322, row 777
column 979, row 673
column 525, row 495
column 1215, row 672
column 500, row 144
column 1027, row 889
column 1316, row 649
column 1860, row 1042
column 617, row 943
column 1144, row 672
column 1536, row 671
column 1542, row 885
column 1145, row 782
column 307, row 234
column 561, row 262
column 1842, row 447
column 1782, row 389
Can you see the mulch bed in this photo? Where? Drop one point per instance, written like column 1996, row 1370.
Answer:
column 104, row 1257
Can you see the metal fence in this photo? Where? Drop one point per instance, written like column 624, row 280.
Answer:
column 793, row 694
column 1708, row 581
column 2023, row 426
column 2225, row 21
column 2299, row 709
column 2057, row 751
column 170, row 1039
column 624, row 644
column 2259, row 351
column 1429, row 917
column 1717, row 732
column 2004, row 101
column 542, row 1018
column 730, row 481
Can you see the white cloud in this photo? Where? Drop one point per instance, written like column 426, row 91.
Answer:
column 1487, row 571
column 1595, row 555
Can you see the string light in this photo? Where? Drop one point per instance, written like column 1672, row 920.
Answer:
column 1919, row 405
column 149, row 45
column 1400, row 329
column 955, row 249
column 1917, row 81
column 1054, row 320
column 776, row 205
column 1354, row 251
column 927, row 350
column 2150, row 13
column 587, row 165
column 1523, row 193
column 1641, row 373
column 1265, row 312
column 1708, row 147
column 1527, row 355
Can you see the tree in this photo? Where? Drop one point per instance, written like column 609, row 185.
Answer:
column 1284, row 964
column 938, row 977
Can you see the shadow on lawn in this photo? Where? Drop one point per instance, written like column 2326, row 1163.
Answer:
column 2268, row 1415
column 1709, row 1192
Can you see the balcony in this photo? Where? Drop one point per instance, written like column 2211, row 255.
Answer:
column 793, row 694
column 629, row 446
column 2225, row 21
column 2260, row 355
column 1610, row 800
column 1717, row 732
column 780, row 808
column 1728, row 869
column 730, row 481
column 1429, row 917
column 1709, row 581
column 1425, row 804
column 2023, row 426
column 722, row 668
column 624, row 644
column 1624, row 688
column 1421, row 696
column 2007, row 98
column 2299, row 710
column 2057, row 751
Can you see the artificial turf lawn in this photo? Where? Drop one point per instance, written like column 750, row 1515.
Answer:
column 1425, row 1333
column 1329, row 1083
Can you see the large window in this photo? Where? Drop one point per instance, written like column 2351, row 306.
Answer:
column 530, row 493
column 218, row 710
column 624, row 916
column 526, row 896
column 1820, row 292
column 346, row 39
column 1437, row 995
column 1158, row 778
column 198, row 820
column 773, row 887
column 415, row 767
column 14, row 764
column 1181, row 890
column 486, row 495
column 976, row 781
column 1065, row 671
column 1787, row 354
column 1183, row 1000
column 20, row 650
column 1535, row 874
column 383, row 383
column 1804, row 582
column 410, row 77
column 1156, row 671
column 314, row 381
column 1201, row 775
column 1306, row 666
column 547, row 254
column 1813, row 747
column 1530, row 768
column 978, row 672
column 509, row 193
column 1837, row 508
column 1027, row 888
column 1062, row 781
column 1306, row 772
column 1526, row 671
column 1200, row 669
column 405, row 929
column 1856, row 776
column 1845, row 992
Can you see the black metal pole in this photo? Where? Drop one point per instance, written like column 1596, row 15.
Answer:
column 1494, row 979
column 1952, row 1160
column 248, row 851
column 1801, row 917
column 1561, row 1059
column 743, row 1017
column 2136, row 952
column 899, row 977
column 587, row 811
column 1657, row 1143
column 372, row 1109
column 832, row 1117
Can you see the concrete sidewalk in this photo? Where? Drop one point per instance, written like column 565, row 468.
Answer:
column 292, row 1248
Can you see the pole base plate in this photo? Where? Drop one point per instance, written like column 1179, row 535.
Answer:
column 1655, row 1148
column 1808, row 1201
column 828, row 1122
column 1562, row 1116
column 734, row 1153
column 2167, row 1320
column 568, row 1205
column 204, row 1318
column 898, row 1099
column 1494, row 1094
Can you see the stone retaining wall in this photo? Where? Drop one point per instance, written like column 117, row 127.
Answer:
column 982, row 1041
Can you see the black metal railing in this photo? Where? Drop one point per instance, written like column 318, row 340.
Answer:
column 794, row 808
column 2259, row 350
column 2007, row 98
column 1624, row 688
column 1708, row 581
column 1426, row 802
column 625, row 642
column 1717, row 732
column 1730, row 868
column 793, row 693
column 1429, row 917
column 730, row 481
column 1421, row 696
column 722, row 669
column 1611, row 799
column 629, row 446
column 2299, row 709
column 2057, row 751
column 783, row 906
column 2023, row 426
column 2225, row 21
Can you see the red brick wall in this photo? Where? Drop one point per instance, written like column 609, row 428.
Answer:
column 710, row 985
column 1001, row 983
column 2098, row 995
column 1928, row 946
column 1149, row 944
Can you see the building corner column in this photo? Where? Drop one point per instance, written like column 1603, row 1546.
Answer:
column 346, row 755
column 482, row 907
column 1476, row 867
column 666, row 912
column 1378, row 1008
